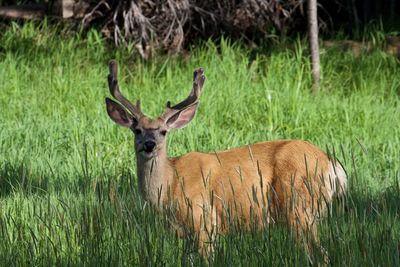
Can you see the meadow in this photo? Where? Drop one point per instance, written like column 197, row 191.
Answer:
column 68, row 192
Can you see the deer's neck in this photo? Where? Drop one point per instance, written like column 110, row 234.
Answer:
column 154, row 176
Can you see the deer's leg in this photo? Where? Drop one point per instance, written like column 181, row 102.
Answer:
column 206, row 229
column 306, row 234
column 300, row 207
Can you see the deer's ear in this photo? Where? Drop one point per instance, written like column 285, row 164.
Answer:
column 119, row 115
column 182, row 118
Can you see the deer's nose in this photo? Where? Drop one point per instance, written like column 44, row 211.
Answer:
column 149, row 146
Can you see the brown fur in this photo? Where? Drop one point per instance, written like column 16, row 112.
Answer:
column 255, row 184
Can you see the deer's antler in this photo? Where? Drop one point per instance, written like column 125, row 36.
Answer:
column 192, row 99
column 116, row 93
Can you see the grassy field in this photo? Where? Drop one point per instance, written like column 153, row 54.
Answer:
column 68, row 192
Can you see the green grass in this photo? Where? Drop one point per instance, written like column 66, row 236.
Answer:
column 68, row 192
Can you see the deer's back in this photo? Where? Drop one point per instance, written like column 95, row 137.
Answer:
column 251, row 178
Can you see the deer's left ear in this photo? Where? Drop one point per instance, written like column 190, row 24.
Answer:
column 118, row 114
column 182, row 118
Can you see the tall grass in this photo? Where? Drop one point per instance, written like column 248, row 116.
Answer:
column 68, row 191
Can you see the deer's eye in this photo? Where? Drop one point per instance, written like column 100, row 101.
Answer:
column 137, row 131
column 163, row 132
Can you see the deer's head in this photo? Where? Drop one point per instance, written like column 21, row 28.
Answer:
column 150, row 134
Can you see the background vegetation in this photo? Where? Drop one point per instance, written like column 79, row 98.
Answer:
column 68, row 191
column 173, row 26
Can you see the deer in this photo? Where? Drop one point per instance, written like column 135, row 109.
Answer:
column 289, row 181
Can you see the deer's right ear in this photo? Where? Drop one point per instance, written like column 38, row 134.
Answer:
column 182, row 118
column 118, row 114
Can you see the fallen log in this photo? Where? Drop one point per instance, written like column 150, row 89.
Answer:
column 29, row 11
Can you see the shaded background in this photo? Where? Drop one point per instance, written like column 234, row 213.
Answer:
column 174, row 25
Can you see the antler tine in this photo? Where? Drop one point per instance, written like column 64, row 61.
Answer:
column 116, row 93
column 194, row 96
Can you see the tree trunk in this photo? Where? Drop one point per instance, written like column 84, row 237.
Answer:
column 313, row 40
column 64, row 8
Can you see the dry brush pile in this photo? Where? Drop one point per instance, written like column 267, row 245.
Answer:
column 171, row 25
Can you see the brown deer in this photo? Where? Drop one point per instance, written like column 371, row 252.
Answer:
column 286, row 180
